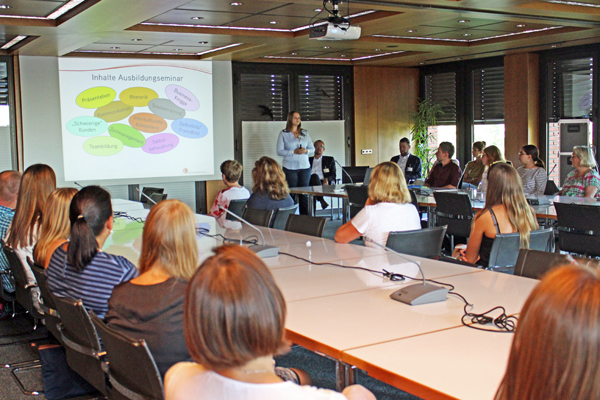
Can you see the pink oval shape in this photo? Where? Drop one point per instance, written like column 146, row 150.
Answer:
column 161, row 143
column 182, row 97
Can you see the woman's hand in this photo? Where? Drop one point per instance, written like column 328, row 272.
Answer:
column 301, row 150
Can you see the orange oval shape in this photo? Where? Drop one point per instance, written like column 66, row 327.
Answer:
column 147, row 122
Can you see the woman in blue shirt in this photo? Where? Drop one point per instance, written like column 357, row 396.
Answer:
column 295, row 146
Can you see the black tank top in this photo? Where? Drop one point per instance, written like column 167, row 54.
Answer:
column 486, row 243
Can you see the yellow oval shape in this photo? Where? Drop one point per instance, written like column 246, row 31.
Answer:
column 115, row 111
column 147, row 122
column 95, row 97
column 102, row 146
column 138, row 96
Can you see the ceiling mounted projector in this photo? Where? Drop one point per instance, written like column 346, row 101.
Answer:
column 334, row 27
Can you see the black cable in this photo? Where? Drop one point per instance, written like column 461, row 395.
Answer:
column 252, row 240
column 504, row 323
column 123, row 214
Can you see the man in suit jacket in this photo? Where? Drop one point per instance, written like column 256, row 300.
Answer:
column 323, row 170
column 409, row 164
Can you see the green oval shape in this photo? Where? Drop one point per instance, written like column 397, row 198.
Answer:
column 95, row 97
column 138, row 96
column 102, row 146
column 130, row 137
column 113, row 112
column 87, row 126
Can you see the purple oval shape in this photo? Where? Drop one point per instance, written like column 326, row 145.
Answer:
column 189, row 128
column 161, row 143
column 182, row 97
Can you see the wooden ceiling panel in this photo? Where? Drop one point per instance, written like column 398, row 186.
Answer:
column 33, row 8
column 309, row 11
column 187, row 17
column 264, row 21
column 116, row 47
column 252, row 6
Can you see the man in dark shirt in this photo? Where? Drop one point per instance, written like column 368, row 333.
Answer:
column 322, row 170
column 445, row 174
column 409, row 164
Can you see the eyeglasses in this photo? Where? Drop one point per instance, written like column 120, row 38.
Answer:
column 521, row 153
column 319, row 147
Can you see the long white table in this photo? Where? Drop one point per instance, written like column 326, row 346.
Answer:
column 347, row 314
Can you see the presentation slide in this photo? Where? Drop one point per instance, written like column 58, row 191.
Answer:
column 128, row 119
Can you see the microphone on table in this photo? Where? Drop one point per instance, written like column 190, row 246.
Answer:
column 344, row 171
column 146, row 196
column 419, row 293
column 264, row 250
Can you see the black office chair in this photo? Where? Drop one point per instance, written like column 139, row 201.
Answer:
column 305, row 224
column 84, row 353
column 506, row 246
column 454, row 210
column 258, row 217
column 578, row 228
column 236, row 207
column 357, row 197
column 281, row 216
column 51, row 316
column 534, row 263
column 421, row 243
column 356, row 173
column 132, row 372
column 150, row 191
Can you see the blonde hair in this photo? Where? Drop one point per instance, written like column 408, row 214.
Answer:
column 586, row 155
column 268, row 178
column 554, row 352
column 56, row 224
column 494, row 154
column 506, row 188
column 169, row 238
column 232, row 170
column 388, row 184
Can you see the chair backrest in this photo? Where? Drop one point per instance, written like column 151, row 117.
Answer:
column 578, row 228
column 282, row 215
column 356, row 173
column 51, row 316
column 454, row 209
column 367, row 177
column 534, row 263
column 421, row 243
column 131, row 371
column 357, row 197
column 158, row 197
column 24, row 292
column 84, row 354
column 150, row 191
column 413, row 199
column 551, row 188
column 236, row 207
column 305, row 224
column 258, row 217
column 505, row 248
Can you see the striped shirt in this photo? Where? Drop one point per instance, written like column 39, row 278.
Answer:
column 6, row 216
column 93, row 285
column 534, row 180
column 575, row 185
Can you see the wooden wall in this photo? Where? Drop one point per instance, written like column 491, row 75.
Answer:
column 384, row 99
column 212, row 190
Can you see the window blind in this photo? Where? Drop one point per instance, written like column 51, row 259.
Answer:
column 571, row 86
column 441, row 89
column 264, row 97
column 320, row 97
column 488, row 95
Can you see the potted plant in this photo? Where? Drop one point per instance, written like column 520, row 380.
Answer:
column 427, row 115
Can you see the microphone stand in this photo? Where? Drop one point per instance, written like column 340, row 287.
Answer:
column 146, row 196
column 344, row 171
column 264, row 250
column 419, row 293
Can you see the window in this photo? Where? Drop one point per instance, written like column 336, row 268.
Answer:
column 440, row 89
column 320, row 97
column 7, row 142
column 265, row 97
column 488, row 106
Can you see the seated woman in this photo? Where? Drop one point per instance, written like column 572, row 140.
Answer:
column 150, row 307
column 80, row 269
column 506, row 211
column 37, row 182
column 56, row 226
column 234, row 324
column 584, row 180
column 474, row 169
column 270, row 190
column 388, row 209
column 532, row 171
column 554, row 352
column 490, row 158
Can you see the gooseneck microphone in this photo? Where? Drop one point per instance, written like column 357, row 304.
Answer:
column 146, row 196
column 344, row 171
column 419, row 293
column 264, row 250
column 80, row 187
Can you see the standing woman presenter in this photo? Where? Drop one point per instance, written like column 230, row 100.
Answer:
column 295, row 146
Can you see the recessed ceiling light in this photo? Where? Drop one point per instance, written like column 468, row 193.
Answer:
column 236, row 4
column 326, row 47
column 274, row 22
column 521, row 25
column 553, row 46
column 4, row 6
column 294, row 54
column 421, row 63
column 458, row 58
column 318, row 10
column 376, row 49
column 467, row 34
column 411, row 30
column 136, row 40
column 463, row 21
column 203, row 42
column 177, row 49
column 342, row 55
column 196, row 18
column 115, row 48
